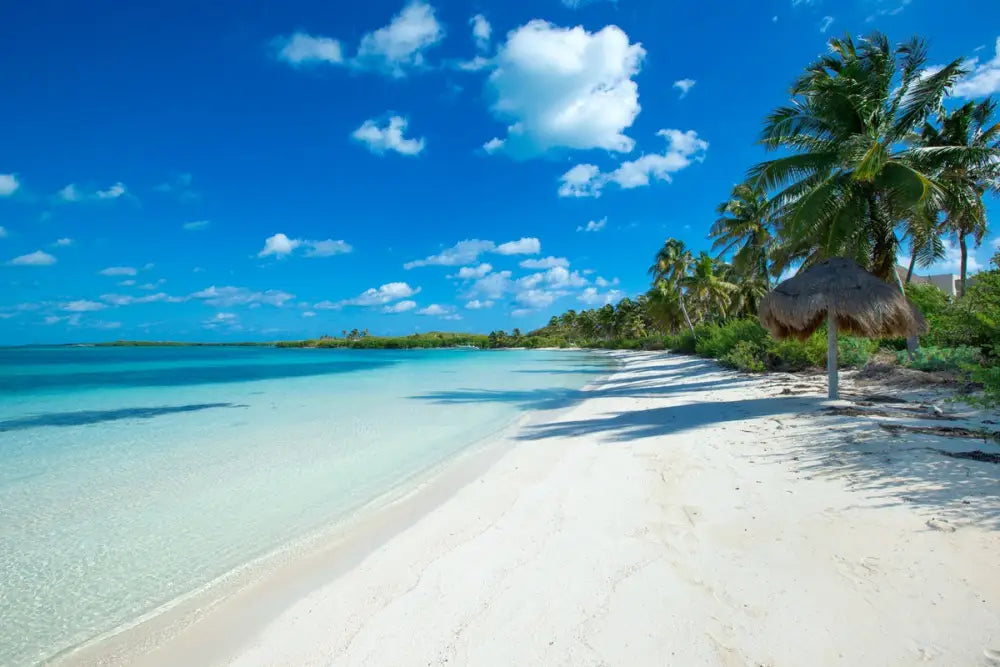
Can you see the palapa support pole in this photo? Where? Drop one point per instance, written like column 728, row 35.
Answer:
column 831, row 353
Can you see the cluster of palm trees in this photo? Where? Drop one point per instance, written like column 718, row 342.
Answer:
column 871, row 160
column 871, row 157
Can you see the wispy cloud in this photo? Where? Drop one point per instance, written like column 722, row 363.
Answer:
column 469, row 250
column 227, row 297
column 118, row 271
column 685, row 86
column 373, row 297
column 37, row 258
column 593, row 226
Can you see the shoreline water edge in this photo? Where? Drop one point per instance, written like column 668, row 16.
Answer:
column 676, row 512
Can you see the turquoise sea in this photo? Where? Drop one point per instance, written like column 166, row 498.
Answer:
column 132, row 476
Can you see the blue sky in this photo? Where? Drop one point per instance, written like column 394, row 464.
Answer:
column 228, row 171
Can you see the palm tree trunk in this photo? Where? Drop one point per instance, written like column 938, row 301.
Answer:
column 680, row 298
column 909, row 271
column 913, row 342
column 963, row 246
column 832, row 371
column 883, row 255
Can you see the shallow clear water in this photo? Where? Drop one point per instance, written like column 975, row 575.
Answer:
column 132, row 476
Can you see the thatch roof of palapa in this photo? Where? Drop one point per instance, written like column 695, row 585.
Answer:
column 864, row 304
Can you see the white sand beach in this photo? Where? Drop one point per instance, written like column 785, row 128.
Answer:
column 679, row 515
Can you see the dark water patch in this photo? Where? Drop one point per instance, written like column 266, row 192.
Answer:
column 83, row 417
column 181, row 376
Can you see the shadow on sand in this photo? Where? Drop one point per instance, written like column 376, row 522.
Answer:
column 903, row 469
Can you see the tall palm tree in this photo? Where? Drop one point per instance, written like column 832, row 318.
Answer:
column 924, row 233
column 670, row 267
column 964, row 154
column 606, row 320
column 744, row 229
column 848, row 178
column 663, row 308
column 709, row 292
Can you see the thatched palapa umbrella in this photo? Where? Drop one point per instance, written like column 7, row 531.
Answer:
column 846, row 296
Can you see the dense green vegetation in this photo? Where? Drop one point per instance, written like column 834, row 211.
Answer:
column 870, row 159
column 363, row 341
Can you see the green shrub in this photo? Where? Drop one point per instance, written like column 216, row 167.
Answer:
column 745, row 356
column 928, row 298
column 791, row 355
column 717, row 340
column 854, row 352
column 989, row 377
column 683, row 343
column 942, row 358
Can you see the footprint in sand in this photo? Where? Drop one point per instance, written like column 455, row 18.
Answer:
column 992, row 656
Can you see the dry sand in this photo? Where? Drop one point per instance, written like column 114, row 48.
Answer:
column 679, row 515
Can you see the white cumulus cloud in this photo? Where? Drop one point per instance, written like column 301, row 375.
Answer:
column 472, row 272
column 524, row 246
column 983, row 79
column 389, row 137
column 481, row 31
column 463, row 252
column 566, row 88
column 373, row 296
column 592, row 297
column 8, row 184
column 62, row 243
column 401, row 44
column 280, row 245
column 683, row 148
column 305, row 49
column 476, row 304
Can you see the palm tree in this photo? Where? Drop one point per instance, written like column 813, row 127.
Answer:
column 744, row 229
column 924, row 232
column 586, row 322
column 663, row 307
column 670, row 267
column 606, row 320
column 710, row 293
column 568, row 319
column 964, row 154
column 848, row 179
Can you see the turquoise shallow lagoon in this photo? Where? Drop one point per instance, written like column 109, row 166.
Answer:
column 132, row 476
